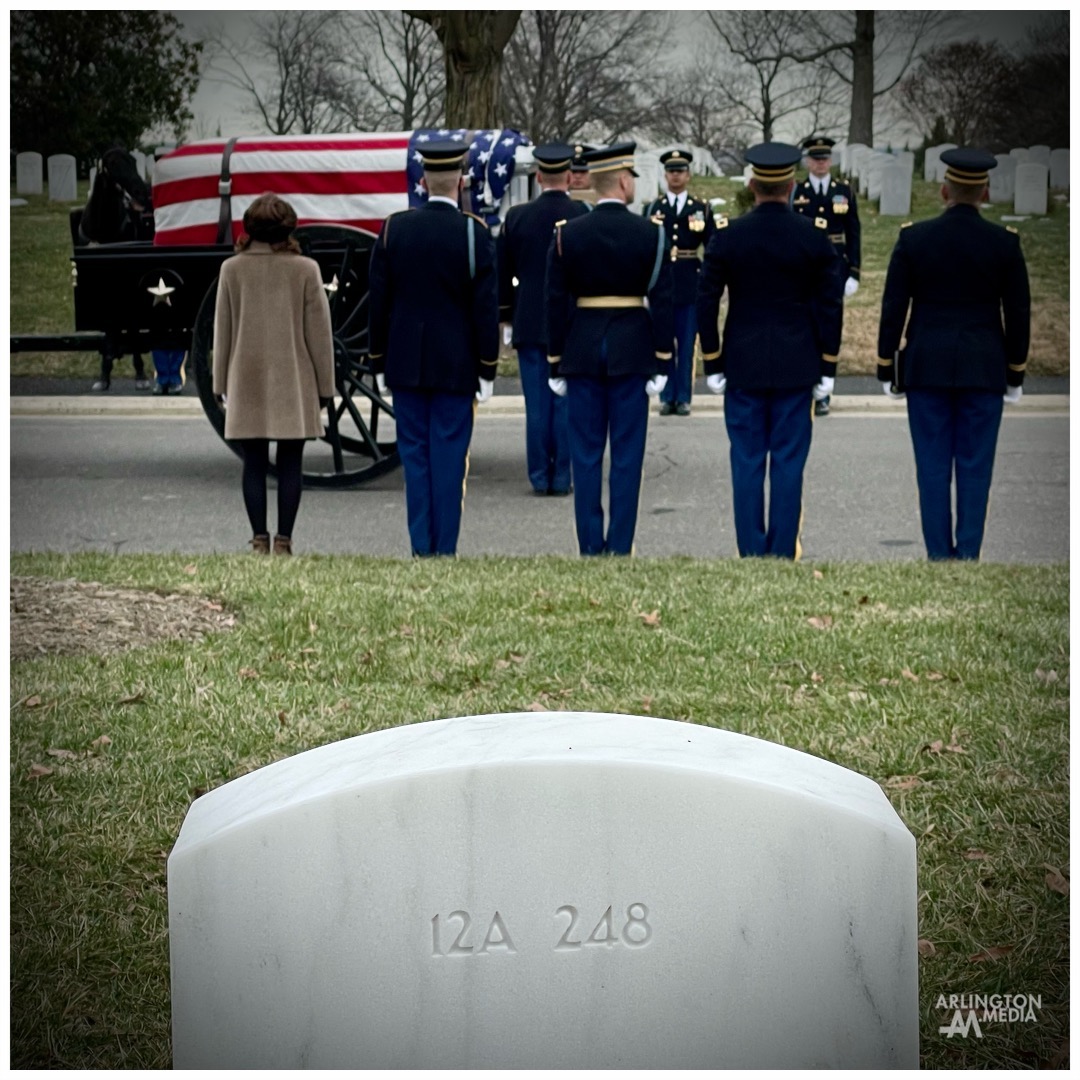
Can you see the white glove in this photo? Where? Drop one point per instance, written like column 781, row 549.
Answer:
column 656, row 385
column 380, row 382
column 824, row 388
column 487, row 388
column 1013, row 394
column 508, row 333
column 851, row 287
column 558, row 387
column 716, row 383
column 888, row 391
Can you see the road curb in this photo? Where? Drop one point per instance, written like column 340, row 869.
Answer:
column 499, row 405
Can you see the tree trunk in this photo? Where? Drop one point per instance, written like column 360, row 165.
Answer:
column 861, row 129
column 473, row 44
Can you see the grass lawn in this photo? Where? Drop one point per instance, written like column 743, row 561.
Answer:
column 947, row 684
column 41, row 300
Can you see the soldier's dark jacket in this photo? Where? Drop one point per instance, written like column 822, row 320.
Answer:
column 686, row 234
column 839, row 209
column 434, row 321
column 603, row 258
column 521, row 252
column 785, row 285
column 966, row 283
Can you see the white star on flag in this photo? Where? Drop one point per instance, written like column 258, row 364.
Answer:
column 444, row 131
column 160, row 292
column 500, row 170
column 457, row 138
column 484, row 155
column 419, row 189
column 417, row 156
column 423, row 138
column 508, row 141
column 473, row 145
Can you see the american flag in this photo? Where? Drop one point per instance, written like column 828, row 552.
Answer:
column 357, row 180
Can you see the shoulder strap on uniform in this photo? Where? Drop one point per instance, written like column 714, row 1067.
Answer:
column 660, row 234
column 224, row 227
column 470, row 226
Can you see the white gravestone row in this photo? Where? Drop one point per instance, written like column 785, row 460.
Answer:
column 1021, row 153
column 1003, row 179
column 523, row 892
column 28, row 174
column 1040, row 155
column 1031, row 188
column 852, row 159
column 63, row 186
column 1059, row 168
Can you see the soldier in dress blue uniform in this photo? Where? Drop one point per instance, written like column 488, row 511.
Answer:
column 820, row 196
column 581, row 189
column 961, row 286
column 689, row 225
column 434, row 333
column 608, row 352
column 521, row 251
column 781, row 339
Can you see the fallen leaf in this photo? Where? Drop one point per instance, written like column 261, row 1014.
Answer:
column 368, row 657
column 593, row 602
column 132, row 699
column 501, row 665
column 313, row 628
column 406, row 631
column 32, row 702
column 212, row 605
column 995, row 952
column 935, row 747
column 38, row 771
column 516, row 658
column 646, row 704
column 974, row 854
column 282, row 717
column 650, row 619
column 907, row 673
column 903, row 783
column 864, row 599
column 101, row 742
column 191, row 569
column 818, row 575
column 820, row 622
column 934, row 676
column 857, row 695
column 248, row 673
column 1046, row 676
column 926, row 948
column 62, row 754
column 888, row 682
column 1056, row 880
column 815, row 677
column 535, row 706
column 954, row 747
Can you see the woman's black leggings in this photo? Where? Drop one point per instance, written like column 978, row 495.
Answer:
column 290, row 481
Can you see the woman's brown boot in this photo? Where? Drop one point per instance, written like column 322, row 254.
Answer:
column 282, row 545
column 260, row 544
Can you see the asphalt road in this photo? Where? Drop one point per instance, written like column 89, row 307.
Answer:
column 164, row 483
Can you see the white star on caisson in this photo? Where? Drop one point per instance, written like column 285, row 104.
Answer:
column 161, row 292
column 484, row 155
column 332, row 287
column 418, row 188
column 508, row 141
column 500, row 170
column 423, row 138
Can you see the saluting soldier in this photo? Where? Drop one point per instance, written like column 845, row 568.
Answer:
column 960, row 284
column 581, row 189
column 521, row 251
column 608, row 352
column 819, row 196
column 781, row 339
column 434, row 333
column 688, row 224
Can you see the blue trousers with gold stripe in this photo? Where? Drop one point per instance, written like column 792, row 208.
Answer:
column 433, row 435
column 602, row 409
column 954, row 431
column 547, row 440
column 680, row 384
column 769, row 432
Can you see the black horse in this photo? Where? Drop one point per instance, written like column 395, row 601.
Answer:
column 119, row 209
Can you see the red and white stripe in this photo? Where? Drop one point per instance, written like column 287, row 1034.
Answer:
column 356, row 180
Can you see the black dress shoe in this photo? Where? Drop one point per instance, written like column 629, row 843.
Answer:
column 666, row 408
column 560, row 492
column 682, row 408
column 101, row 385
column 821, row 408
column 160, row 390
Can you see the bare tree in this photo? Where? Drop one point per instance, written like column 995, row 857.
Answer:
column 290, row 67
column 582, row 72
column 397, row 65
column 695, row 109
column 473, row 44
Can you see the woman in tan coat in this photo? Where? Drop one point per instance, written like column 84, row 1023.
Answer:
column 273, row 360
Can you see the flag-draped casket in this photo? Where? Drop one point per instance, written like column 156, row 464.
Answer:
column 202, row 189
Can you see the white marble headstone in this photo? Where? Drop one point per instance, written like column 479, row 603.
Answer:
column 543, row 891
column 852, row 158
column 62, row 178
column 1003, row 179
column 28, row 175
column 878, row 162
column 930, row 162
column 895, row 191
column 1040, row 154
column 940, row 166
column 1059, row 168
column 1031, row 184
column 1021, row 153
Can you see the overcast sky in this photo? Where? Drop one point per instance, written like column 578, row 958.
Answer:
column 215, row 104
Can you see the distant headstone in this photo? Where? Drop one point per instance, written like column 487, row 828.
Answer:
column 1040, row 155
column 1021, row 153
column 19, row 202
column 28, row 175
column 93, row 174
column 852, row 158
column 63, row 185
column 647, row 186
column 873, row 174
column 140, row 163
column 569, row 890
column 940, row 166
column 1059, row 168
column 907, row 159
column 895, row 191
column 1031, row 184
column 930, row 162
column 1003, row 179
